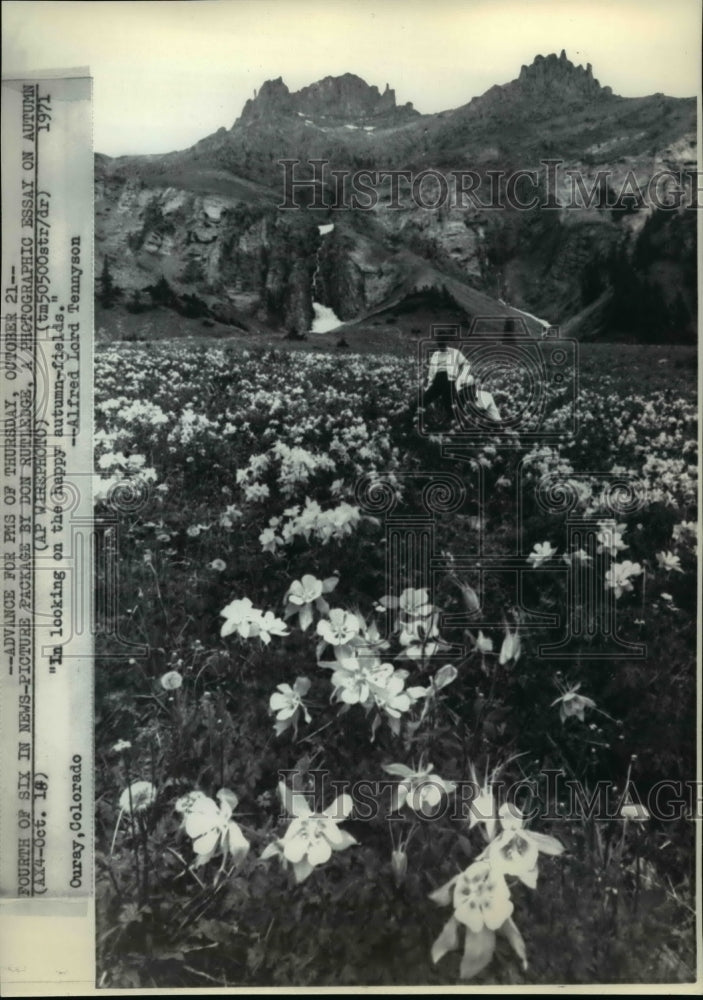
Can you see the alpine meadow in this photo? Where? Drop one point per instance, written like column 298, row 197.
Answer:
column 396, row 543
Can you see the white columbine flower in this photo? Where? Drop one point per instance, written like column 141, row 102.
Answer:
column 481, row 897
column 303, row 593
column 415, row 603
column 482, row 906
column 618, row 576
column 267, row 625
column 269, row 540
column 211, row 827
column 249, row 622
column 390, row 696
column 577, row 556
column 541, row 552
column 238, row 614
column 668, row 562
column 287, row 702
column 305, row 590
column 571, row 703
column 421, row 790
column 610, row 540
column 352, row 678
column 515, row 850
column 339, row 628
column 311, row 837
column 684, row 531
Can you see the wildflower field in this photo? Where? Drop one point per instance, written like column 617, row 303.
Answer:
column 322, row 759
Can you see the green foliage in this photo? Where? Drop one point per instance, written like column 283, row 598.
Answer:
column 203, row 432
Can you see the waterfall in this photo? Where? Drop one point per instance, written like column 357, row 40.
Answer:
column 324, row 318
column 544, row 323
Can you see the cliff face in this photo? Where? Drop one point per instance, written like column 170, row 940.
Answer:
column 241, row 261
column 206, row 219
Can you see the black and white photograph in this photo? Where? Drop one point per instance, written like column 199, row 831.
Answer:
column 394, row 490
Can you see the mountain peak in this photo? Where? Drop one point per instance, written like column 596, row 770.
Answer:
column 344, row 97
column 547, row 85
column 558, row 76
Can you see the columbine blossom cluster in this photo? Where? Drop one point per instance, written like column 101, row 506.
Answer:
column 619, row 577
column 249, row 622
column 192, row 427
column 367, row 682
column 312, row 523
column 313, row 429
column 362, row 674
column 296, row 467
column 359, row 677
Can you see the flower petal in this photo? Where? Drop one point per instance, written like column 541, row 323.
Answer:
column 514, row 937
column 305, row 617
column 293, row 802
column 448, row 940
column 345, row 840
column 545, row 843
column 319, row 851
column 443, row 895
column 207, row 842
column 478, row 951
column 272, row 850
column 295, row 849
column 398, row 769
column 529, row 877
column 301, row 870
column 196, row 824
column 340, row 808
column 468, row 912
column 228, row 801
column 511, row 817
column 237, row 843
column 499, row 911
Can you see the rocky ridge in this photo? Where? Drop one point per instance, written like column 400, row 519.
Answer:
column 206, row 219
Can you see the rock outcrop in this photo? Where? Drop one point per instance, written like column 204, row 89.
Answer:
column 345, row 98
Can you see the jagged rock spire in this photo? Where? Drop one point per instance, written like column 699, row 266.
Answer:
column 558, row 75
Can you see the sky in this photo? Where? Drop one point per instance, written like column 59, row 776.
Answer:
column 167, row 74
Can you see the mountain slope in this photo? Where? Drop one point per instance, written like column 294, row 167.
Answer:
column 206, row 219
